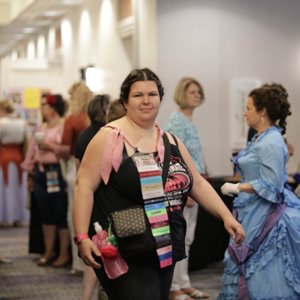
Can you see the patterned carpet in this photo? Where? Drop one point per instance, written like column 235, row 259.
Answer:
column 22, row 279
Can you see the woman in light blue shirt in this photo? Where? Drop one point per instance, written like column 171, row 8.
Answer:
column 188, row 96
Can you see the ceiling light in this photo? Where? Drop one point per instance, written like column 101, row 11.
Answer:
column 94, row 78
column 28, row 30
column 14, row 55
column 71, row 2
column 52, row 13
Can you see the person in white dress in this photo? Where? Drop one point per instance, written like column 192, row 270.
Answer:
column 12, row 178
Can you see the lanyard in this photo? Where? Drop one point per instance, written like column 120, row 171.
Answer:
column 153, row 195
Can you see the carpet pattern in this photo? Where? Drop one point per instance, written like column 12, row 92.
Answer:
column 23, row 280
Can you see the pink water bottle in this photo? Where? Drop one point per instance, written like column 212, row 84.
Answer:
column 114, row 264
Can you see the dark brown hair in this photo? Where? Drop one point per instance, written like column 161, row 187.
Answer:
column 116, row 111
column 57, row 102
column 98, row 107
column 274, row 98
column 139, row 75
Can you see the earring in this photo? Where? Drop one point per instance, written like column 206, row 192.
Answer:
column 261, row 118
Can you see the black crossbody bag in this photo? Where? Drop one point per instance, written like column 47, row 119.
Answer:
column 131, row 227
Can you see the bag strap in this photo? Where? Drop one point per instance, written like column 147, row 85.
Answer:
column 174, row 138
column 165, row 168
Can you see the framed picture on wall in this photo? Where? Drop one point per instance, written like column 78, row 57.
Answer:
column 239, row 91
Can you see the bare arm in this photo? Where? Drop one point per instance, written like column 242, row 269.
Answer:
column 204, row 194
column 246, row 187
column 87, row 181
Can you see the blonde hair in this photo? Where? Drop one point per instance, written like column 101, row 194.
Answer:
column 180, row 90
column 80, row 97
column 6, row 106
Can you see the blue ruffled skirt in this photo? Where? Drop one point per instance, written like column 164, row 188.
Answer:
column 273, row 272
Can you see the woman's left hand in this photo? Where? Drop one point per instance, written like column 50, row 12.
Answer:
column 45, row 146
column 235, row 229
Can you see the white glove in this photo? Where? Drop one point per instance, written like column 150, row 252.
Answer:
column 230, row 189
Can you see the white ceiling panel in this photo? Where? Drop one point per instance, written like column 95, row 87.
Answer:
column 33, row 16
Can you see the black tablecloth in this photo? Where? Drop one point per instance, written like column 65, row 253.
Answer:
column 211, row 239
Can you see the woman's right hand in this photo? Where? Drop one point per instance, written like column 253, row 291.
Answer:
column 86, row 249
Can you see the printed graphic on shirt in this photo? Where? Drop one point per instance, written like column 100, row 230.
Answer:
column 178, row 183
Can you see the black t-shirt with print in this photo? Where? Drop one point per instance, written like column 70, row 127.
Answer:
column 124, row 190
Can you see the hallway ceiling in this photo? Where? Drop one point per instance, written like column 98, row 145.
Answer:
column 21, row 22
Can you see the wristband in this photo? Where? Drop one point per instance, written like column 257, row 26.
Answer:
column 80, row 237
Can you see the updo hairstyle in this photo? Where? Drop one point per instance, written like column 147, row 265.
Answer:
column 274, row 98
column 116, row 111
column 139, row 75
column 97, row 108
column 57, row 102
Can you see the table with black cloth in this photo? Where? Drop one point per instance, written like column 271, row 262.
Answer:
column 211, row 238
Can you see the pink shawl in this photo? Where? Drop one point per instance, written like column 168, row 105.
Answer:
column 113, row 151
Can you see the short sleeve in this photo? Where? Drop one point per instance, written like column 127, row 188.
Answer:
column 175, row 126
column 67, row 135
column 79, row 148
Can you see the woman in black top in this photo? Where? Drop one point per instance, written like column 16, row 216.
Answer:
column 97, row 110
column 109, row 178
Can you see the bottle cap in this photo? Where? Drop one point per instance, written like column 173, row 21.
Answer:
column 97, row 227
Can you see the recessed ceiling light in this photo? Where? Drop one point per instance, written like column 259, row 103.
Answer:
column 71, row 2
column 28, row 30
column 52, row 13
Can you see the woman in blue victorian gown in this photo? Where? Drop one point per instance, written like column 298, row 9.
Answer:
column 267, row 265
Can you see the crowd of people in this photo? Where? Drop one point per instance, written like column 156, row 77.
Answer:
column 81, row 160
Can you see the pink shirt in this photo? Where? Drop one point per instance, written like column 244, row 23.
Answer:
column 34, row 155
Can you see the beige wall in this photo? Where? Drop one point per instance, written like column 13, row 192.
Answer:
column 219, row 42
column 90, row 34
